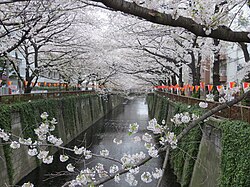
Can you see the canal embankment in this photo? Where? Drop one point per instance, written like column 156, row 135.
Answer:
column 73, row 113
column 215, row 153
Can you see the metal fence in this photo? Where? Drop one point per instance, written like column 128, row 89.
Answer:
column 7, row 99
column 236, row 112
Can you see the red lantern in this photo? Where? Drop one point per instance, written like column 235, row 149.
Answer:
column 9, row 83
column 191, row 88
column 197, row 88
column 231, row 84
column 202, row 85
column 245, row 85
column 219, row 88
column 210, row 87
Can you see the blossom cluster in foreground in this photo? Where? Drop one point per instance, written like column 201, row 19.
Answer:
column 89, row 176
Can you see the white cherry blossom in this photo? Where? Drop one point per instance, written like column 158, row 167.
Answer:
column 146, row 177
column 133, row 128
column 44, row 115
column 4, row 135
column 135, row 170
column 104, row 152
column 130, row 179
column 15, row 145
column 70, row 167
column 42, row 154
column 147, row 137
column 136, row 139
column 203, row 105
column 153, row 152
column 32, row 152
column 157, row 174
column 28, row 184
column 117, row 178
column 25, row 141
column 79, row 151
column 87, row 154
column 53, row 121
column 118, row 142
column 113, row 169
column 185, row 118
column 64, row 158
column 48, row 160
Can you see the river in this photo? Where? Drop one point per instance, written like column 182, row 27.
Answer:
column 100, row 136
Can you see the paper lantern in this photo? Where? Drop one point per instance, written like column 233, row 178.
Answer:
column 219, row 88
column 45, row 83
column 191, row 88
column 245, row 85
column 202, row 85
column 197, row 88
column 33, row 84
column 231, row 85
column 9, row 83
column 38, row 83
column 210, row 87
column 49, row 84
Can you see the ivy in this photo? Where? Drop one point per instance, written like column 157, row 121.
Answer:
column 235, row 162
column 235, row 146
column 5, row 123
column 30, row 118
column 183, row 158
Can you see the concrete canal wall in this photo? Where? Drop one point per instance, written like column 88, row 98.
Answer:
column 213, row 154
column 74, row 115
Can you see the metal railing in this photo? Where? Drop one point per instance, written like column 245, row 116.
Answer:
column 236, row 112
column 7, row 99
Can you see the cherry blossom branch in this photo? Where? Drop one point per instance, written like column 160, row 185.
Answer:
column 196, row 122
column 222, row 32
column 212, row 112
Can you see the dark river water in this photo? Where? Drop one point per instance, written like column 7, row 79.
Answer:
column 100, row 136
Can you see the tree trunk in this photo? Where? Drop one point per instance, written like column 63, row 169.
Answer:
column 216, row 66
column 180, row 77
column 27, row 89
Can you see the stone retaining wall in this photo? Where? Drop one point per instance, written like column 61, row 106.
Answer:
column 206, row 170
column 15, row 164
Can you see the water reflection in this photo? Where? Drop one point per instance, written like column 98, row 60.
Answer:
column 100, row 136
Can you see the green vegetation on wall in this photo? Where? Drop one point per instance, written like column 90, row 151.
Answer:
column 30, row 118
column 183, row 158
column 235, row 163
column 5, row 123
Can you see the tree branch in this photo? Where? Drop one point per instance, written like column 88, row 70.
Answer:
column 222, row 32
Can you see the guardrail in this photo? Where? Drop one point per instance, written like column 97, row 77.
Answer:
column 7, row 99
column 236, row 112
